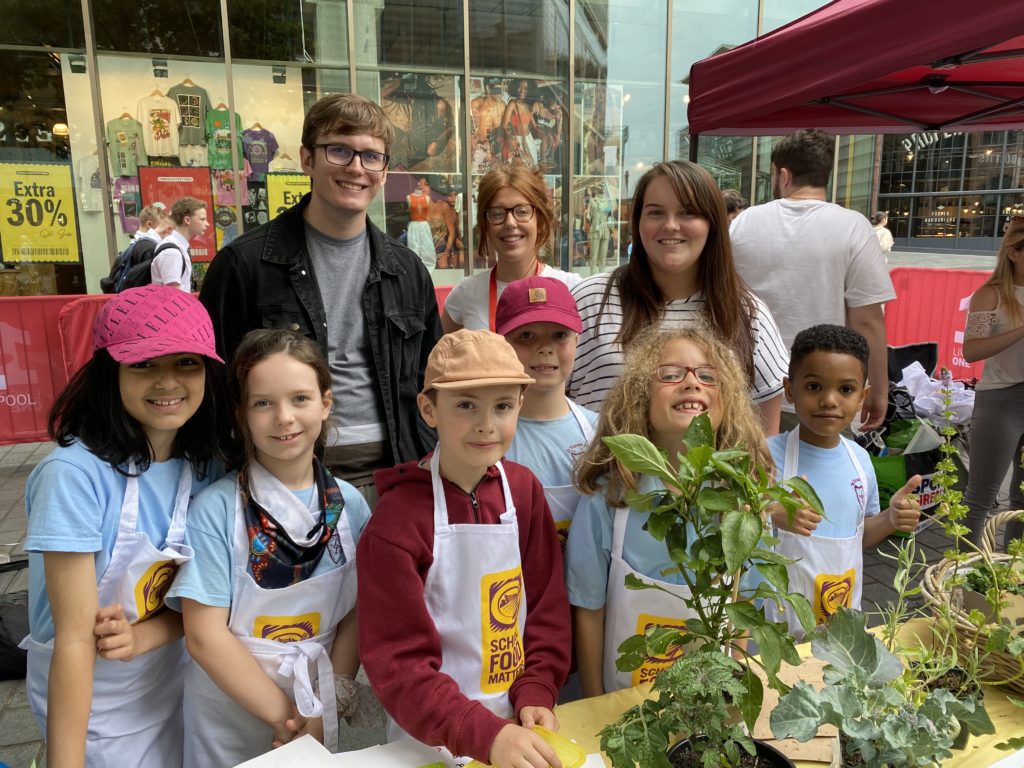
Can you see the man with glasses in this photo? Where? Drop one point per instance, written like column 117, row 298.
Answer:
column 323, row 269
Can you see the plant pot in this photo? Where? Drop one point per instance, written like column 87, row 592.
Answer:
column 767, row 755
column 1012, row 613
column 955, row 681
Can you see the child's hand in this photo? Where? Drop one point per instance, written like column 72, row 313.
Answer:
column 518, row 747
column 905, row 509
column 542, row 716
column 290, row 728
column 805, row 520
column 115, row 640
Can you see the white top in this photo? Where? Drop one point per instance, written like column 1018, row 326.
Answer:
column 885, row 240
column 809, row 260
column 599, row 358
column 467, row 303
column 1005, row 368
column 167, row 266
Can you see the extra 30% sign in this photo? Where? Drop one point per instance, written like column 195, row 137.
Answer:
column 38, row 220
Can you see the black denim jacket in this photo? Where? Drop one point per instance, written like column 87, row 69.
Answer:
column 264, row 279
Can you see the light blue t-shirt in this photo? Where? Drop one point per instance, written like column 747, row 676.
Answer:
column 74, row 501
column 548, row 448
column 588, row 551
column 834, row 478
column 210, row 532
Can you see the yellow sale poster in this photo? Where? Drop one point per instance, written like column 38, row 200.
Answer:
column 284, row 190
column 37, row 213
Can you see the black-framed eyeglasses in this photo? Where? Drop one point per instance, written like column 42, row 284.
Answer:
column 521, row 213
column 674, row 374
column 339, row 154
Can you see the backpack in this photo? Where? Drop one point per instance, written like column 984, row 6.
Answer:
column 141, row 273
column 129, row 257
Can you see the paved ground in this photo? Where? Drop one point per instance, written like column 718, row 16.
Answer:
column 20, row 744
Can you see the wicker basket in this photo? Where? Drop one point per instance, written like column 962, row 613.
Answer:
column 996, row 668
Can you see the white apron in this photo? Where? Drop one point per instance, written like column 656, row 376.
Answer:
column 136, row 705
column 562, row 499
column 630, row 612
column 290, row 632
column 828, row 572
column 481, row 567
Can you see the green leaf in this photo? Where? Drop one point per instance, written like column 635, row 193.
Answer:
column 717, row 499
column 744, row 615
column 677, row 543
column 638, row 454
column 631, row 653
column 1017, row 742
column 699, row 433
column 635, row 582
column 806, row 492
column 740, row 534
column 698, row 457
column 797, row 715
column 769, row 645
column 776, row 575
column 801, row 606
column 752, row 699
column 846, row 644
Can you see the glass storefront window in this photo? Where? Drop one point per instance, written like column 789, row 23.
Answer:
column 935, row 216
column 286, row 31
column 896, row 170
column 172, row 27
column 780, row 12
column 855, row 157
column 898, row 210
column 978, row 214
column 939, row 161
column 984, row 160
column 54, row 23
column 518, row 37
column 409, row 33
column 728, row 159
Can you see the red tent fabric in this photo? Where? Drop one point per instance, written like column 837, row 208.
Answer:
column 870, row 66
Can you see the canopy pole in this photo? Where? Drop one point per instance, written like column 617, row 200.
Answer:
column 693, row 147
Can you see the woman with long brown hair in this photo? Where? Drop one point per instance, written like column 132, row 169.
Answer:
column 681, row 274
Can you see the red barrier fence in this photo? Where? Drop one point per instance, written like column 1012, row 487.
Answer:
column 932, row 306
column 43, row 339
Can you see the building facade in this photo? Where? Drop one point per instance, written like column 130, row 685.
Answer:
column 106, row 108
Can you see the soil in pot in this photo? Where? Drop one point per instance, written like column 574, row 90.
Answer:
column 681, row 756
column 850, row 759
column 956, row 682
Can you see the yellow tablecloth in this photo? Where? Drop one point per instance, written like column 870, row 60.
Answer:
column 581, row 720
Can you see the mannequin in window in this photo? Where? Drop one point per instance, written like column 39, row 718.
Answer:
column 599, row 211
column 518, row 125
column 419, row 237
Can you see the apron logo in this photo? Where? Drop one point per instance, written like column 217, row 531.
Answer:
column 654, row 664
column 152, row 587
column 858, row 490
column 334, row 547
column 501, row 647
column 832, row 591
column 287, row 629
column 562, row 529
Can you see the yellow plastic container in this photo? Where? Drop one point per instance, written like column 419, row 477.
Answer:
column 568, row 752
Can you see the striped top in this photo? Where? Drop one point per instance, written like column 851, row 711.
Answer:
column 599, row 358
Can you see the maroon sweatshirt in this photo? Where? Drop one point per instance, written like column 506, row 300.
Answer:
column 398, row 643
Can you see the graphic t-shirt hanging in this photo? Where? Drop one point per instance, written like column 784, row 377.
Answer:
column 260, row 148
column 218, row 138
column 127, row 148
column 193, row 104
column 159, row 117
column 129, row 202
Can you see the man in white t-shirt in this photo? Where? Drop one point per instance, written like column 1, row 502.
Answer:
column 812, row 261
column 173, row 265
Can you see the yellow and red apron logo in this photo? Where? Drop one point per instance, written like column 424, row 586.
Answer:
column 287, row 629
column 562, row 529
column 151, row 589
column 501, row 595
column 832, row 591
column 654, row 664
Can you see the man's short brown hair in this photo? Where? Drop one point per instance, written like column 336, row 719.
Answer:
column 807, row 155
column 186, row 206
column 152, row 214
column 346, row 114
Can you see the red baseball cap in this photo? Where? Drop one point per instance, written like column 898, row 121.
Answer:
column 536, row 300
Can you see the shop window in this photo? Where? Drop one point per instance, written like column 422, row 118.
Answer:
column 520, row 36
column 728, row 159
column 173, row 27
column 409, row 33
column 55, row 23
column 898, row 210
column 985, row 158
column 978, row 215
column 935, row 217
column 289, row 30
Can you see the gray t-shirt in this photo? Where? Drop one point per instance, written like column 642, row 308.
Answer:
column 341, row 268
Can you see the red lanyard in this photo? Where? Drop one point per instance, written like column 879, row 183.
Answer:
column 492, row 297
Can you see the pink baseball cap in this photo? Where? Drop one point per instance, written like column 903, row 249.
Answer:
column 536, row 300
column 152, row 321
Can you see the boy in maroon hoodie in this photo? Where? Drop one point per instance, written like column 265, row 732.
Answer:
column 463, row 615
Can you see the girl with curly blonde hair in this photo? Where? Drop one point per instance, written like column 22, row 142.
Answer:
column 670, row 376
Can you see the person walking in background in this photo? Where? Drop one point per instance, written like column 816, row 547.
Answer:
column 880, row 221
column 800, row 240
column 172, row 264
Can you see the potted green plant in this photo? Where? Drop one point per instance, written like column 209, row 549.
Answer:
column 713, row 524
column 886, row 716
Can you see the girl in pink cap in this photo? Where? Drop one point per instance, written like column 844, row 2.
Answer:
column 140, row 429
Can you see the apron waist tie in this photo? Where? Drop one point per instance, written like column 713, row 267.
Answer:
column 295, row 665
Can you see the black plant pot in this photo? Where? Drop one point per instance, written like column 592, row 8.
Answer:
column 768, row 755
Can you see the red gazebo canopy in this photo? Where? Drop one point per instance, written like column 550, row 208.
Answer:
column 870, row 66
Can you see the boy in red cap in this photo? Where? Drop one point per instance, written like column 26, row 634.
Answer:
column 538, row 317
column 463, row 614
